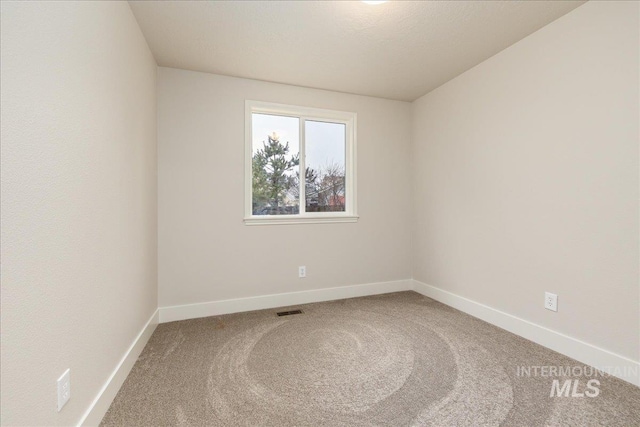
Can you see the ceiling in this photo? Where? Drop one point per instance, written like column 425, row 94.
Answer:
column 397, row 50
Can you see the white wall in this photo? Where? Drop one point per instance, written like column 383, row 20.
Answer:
column 78, row 201
column 206, row 253
column 526, row 179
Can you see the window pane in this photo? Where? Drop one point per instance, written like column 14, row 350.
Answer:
column 325, row 150
column 276, row 156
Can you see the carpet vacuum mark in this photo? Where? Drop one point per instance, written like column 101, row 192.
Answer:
column 398, row 359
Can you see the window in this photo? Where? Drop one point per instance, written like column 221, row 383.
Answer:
column 300, row 165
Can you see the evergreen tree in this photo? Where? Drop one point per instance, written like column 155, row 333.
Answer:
column 271, row 165
column 260, row 182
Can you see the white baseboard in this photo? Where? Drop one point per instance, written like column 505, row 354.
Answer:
column 214, row 308
column 101, row 403
column 620, row 366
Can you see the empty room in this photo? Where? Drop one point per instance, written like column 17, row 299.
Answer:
column 320, row 213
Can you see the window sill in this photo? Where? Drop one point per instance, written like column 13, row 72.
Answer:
column 294, row 219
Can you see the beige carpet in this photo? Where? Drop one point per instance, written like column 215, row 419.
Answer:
column 397, row 359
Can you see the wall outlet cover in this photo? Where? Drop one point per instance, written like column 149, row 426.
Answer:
column 64, row 389
column 550, row 301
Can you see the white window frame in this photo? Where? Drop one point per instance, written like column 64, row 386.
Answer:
column 302, row 113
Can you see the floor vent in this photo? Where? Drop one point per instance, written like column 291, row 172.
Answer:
column 288, row 313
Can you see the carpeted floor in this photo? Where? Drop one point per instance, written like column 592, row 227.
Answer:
column 398, row 359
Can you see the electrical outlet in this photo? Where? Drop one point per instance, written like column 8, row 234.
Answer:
column 550, row 301
column 64, row 389
column 302, row 271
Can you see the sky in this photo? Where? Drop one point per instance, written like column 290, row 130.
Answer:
column 325, row 142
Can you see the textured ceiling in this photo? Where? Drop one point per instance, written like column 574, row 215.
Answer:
column 397, row 50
